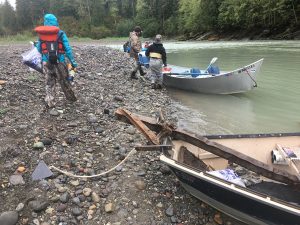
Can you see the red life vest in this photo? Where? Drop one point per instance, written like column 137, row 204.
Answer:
column 51, row 43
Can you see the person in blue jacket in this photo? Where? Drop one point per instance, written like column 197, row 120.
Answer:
column 51, row 20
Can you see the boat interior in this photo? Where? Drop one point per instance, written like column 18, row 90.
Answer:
column 199, row 159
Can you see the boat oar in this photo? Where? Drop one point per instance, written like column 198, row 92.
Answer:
column 212, row 61
column 188, row 74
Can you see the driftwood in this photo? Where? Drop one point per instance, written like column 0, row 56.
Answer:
column 215, row 148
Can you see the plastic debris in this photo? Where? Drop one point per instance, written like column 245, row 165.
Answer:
column 42, row 171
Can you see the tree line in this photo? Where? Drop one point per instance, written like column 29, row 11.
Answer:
column 186, row 18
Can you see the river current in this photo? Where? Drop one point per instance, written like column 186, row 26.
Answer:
column 274, row 106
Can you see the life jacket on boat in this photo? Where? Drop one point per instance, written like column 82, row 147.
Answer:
column 51, row 43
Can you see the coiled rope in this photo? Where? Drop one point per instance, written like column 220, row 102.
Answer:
column 133, row 151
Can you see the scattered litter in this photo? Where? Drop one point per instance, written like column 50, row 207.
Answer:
column 42, row 171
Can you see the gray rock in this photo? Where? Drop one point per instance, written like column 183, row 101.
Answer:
column 76, row 211
column 92, row 118
column 61, row 208
column 9, row 218
column 64, row 198
column 95, row 197
column 140, row 185
column 20, row 207
column 72, row 124
column 141, row 173
column 170, row 211
column 173, row 219
column 76, row 200
column 99, row 130
column 106, row 111
column 46, row 141
column 165, row 170
column 53, row 112
column 38, row 205
column 130, row 130
column 38, row 145
column 109, row 207
column 16, row 179
column 119, row 98
column 122, row 213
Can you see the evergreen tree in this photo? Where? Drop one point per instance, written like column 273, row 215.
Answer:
column 8, row 18
column 23, row 14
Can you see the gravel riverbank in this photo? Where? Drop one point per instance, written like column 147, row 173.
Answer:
column 85, row 138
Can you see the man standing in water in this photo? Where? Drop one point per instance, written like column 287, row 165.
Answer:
column 135, row 48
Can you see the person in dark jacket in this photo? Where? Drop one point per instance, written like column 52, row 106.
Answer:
column 158, row 57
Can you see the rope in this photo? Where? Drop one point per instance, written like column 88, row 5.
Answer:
column 255, row 84
column 96, row 175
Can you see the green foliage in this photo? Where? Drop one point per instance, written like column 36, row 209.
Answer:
column 8, row 18
column 102, row 18
column 171, row 26
column 250, row 14
column 2, row 30
column 23, row 14
column 73, row 27
column 25, row 36
column 155, row 16
column 123, row 27
column 100, row 32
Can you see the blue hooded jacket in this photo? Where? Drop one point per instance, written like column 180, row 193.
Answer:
column 51, row 20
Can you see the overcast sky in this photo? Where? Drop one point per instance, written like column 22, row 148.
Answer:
column 12, row 2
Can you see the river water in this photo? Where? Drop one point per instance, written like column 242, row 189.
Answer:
column 274, row 106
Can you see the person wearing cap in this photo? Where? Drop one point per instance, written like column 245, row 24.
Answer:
column 158, row 57
column 135, row 48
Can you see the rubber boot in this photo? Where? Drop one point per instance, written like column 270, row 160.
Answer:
column 142, row 73
column 133, row 75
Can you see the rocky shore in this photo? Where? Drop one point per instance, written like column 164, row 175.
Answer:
column 85, row 138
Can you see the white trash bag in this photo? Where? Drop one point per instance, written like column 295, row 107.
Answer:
column 228, row 175
column 33, row 59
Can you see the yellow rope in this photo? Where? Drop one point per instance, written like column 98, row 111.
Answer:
column 96, row 175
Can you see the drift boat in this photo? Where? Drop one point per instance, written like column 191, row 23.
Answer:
column 252, row 177
column 212, row 80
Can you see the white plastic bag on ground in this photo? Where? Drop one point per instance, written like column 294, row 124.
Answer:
column 228, row 175
column 33, row 59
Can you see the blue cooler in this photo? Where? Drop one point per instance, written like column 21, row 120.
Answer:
column 213, row 70
column 144, row 60
column 195, row 72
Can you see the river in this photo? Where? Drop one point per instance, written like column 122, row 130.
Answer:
column 274, row 106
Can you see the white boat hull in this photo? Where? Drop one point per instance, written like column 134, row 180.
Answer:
column 236, row 81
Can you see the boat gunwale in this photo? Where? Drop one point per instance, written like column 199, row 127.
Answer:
column 222, row 73
column 261, row 135
column 238, row 189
